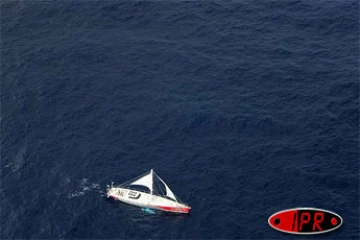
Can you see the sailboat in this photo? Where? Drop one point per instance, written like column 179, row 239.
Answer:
column 148, row 191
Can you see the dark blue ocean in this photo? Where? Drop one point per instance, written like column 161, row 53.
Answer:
column 244, row 108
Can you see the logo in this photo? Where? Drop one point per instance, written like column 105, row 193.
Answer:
column 305, row 221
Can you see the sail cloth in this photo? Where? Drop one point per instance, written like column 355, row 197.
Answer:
column 169, row 193
column 146, row 181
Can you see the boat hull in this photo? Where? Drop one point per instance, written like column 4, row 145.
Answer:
column 147, row 200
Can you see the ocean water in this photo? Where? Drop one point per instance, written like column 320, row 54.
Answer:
column 244, row 108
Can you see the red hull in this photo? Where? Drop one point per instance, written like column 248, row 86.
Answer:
column 174, row 209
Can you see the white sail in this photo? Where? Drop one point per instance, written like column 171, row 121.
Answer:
column 146, row 181
column 169, row 193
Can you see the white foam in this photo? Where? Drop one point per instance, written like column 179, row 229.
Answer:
column 85, row 187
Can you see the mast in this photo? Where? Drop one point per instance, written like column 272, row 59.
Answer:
column 152, row 181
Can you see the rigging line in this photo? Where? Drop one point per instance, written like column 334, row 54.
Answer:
column 158, row 185
column 163, row 194
column 131, row 180
column 162, row 183
column 176, row 200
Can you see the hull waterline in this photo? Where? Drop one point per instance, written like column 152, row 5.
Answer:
column 145, row 200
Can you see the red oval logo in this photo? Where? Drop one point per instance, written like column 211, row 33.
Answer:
column 305, row 221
